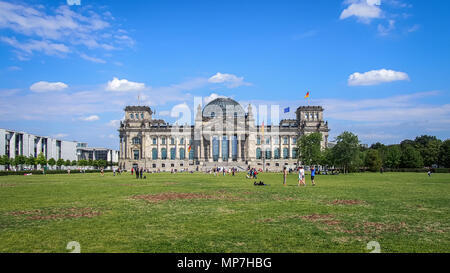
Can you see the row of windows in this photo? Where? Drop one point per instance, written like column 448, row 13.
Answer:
column 182, row 154
column 276, row 153
column 312, row 116
column 137, row 140
column 133, row 116
column 276, row 140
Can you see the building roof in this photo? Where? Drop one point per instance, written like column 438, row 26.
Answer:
column 221, row 105
column 138, row 108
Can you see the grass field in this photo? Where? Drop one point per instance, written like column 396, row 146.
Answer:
column 404, row 212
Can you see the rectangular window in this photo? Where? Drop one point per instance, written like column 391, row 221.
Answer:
column 136, row 154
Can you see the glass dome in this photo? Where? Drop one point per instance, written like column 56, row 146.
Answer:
column 225, row 106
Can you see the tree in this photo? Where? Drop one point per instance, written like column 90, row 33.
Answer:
column 74, row 163
column 5, row 160
column 326, row 157
column 373, row 160
column 308, row 147
column 428, row 146
column 102, row 163
column 392, row 156
column 67, row 163
column 411, row 158
column 51, row 162
column 20, row 160
column 60, row 162
column 41, row 160
column 90, row 163
column 95, row 164
column 444, row 154
column 377, row 146
column 346, row 151
column 30, row 161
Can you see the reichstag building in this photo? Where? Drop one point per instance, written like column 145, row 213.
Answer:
column 223, row 135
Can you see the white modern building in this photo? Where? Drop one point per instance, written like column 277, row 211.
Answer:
column 15, row 143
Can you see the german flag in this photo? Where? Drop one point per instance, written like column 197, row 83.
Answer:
column 307, row 95
column 189, row 149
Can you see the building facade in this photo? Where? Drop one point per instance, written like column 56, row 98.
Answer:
column 223, row 135
column 92, row 153
column 15, row 143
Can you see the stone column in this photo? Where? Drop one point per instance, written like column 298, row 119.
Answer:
column 220, row 147
column 238, row 138
column 186, row 153
column 201, row 152
column 230, row 148
column 177, row 155
column 210, row 149
column 290, row 147
column 158, row 140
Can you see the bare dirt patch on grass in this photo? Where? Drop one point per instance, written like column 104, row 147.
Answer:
column 7, row 185
column 347, row 202
column 168, row 196
column 56, row 214
column 377, row 227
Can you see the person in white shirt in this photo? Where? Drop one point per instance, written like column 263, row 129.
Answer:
column 301, row 177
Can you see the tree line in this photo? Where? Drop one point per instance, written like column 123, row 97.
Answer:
column 349, row 155
column 21, row 161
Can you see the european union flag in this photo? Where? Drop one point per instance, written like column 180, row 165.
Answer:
column 286, row 110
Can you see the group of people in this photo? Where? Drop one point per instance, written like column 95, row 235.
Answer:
column 139, row 172
column 301, row 176
column 252, row 173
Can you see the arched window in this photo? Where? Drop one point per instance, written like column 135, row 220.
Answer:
column 277, row 153
column 182, row 140
column 154, row 141
column 191, row 154
column 213, row 115
column 268, row 154
column 172, row 140
column 182, row 154
column 285, row 153
column 164, row 153
column 142, row 115
column 154, row 154
column 267, row 140
column 285, row 140
column 131, row 116
column 172, row 153
column 136, row 140
column 258, row 153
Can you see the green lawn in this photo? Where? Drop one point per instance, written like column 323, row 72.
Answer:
column 404, row 212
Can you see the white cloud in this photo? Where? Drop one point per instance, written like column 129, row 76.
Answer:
column 92, row 59
column 124, row 85
column 211, row 97
column 115, row 123
column 375, row 77
column 383, row 31
column 90, row 118
column 58, row 31
column 229, row 80
column 44, row 86
column 28, row 47
column 364, row 10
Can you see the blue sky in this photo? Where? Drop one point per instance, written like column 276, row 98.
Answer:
column 380, row 68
